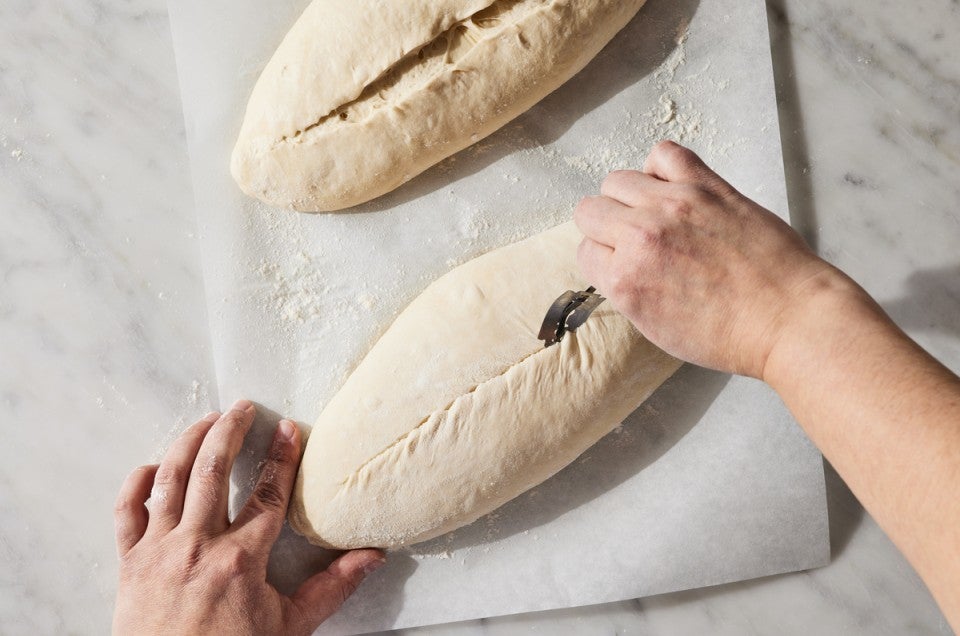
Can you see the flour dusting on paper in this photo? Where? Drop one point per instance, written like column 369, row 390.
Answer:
column 678, row 115
column 715, row 484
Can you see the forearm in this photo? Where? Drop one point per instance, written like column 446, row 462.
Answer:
column 886, row 415
column 713, row 278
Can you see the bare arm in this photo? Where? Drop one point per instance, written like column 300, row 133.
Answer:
column 887, row 416
column 715, row 279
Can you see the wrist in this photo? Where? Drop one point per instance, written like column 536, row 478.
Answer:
column 828, row 308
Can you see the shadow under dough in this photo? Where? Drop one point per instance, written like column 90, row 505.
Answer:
column 638, row 50
column 634, row 53
column 645, row 436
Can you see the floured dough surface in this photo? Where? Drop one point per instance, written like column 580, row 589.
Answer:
column 362, row 95
column 459, row 408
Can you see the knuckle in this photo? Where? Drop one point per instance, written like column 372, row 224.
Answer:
column 171, row 475
column 678, row 209
column 231, row 420
column 677, row 154
column 620, row 282
column 270, row 495
column 578, row 211
column 191, row 561
column 281, row 456
column 230, row 426
column 124, row 505
column 649, row 238
column 191, row 437
column 234, row 561
column 665, row 148
column 213, row 469
column 585, row 205
column 674, row 149
column 346, row 589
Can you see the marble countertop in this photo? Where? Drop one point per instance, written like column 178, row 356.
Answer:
column 103, row 337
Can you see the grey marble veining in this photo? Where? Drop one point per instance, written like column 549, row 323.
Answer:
column 872, row 136
column 103, row 346
column 100, row 353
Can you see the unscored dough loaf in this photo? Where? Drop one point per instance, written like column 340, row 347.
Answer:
column 459, row 408
column 363, row 95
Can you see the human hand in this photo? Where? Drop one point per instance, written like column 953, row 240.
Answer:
column 703, row 272
column 185, row 568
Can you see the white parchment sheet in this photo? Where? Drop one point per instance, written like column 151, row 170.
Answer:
column 710, row 481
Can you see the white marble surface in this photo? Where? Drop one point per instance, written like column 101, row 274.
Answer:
column 103, row 349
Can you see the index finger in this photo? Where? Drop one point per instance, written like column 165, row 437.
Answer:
column 631, row 187
column 602, row 220
column 669, row 161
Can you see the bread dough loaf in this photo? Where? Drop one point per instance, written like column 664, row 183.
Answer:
column 363, row 95
column 459, row 408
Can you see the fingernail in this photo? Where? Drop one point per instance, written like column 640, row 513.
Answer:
column 242, row 405
column 373, row 566
column 287, row 430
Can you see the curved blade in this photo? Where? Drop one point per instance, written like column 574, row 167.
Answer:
column 567, row 313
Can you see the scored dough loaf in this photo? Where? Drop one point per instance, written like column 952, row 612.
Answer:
column 363, row 95
column 459, row 408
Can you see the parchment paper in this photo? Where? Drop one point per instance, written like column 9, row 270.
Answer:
column 710, row 481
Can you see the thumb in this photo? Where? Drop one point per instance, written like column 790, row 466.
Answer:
column 322, row 594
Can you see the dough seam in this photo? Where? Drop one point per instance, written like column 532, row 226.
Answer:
column 516, row 412
column 361, row 95
column 449, row 66
column 355, row 475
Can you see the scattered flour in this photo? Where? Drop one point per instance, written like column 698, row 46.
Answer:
column 312, row 290
column 296, row 288
column 679, row 115
column 197, row 392
column 192, row 406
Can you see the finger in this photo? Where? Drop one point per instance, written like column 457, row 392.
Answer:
column 601, row 219
column 672, row 162
column 205, row 505
column 595, row 261
column 130, row 514
column 630, row 187
column 170, row 482
column 262, row 516
column 321, row 595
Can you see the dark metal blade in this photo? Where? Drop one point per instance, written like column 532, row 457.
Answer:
column 567, row 313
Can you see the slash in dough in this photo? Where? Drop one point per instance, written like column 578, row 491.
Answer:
column 459, row 408
column 363, row 95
